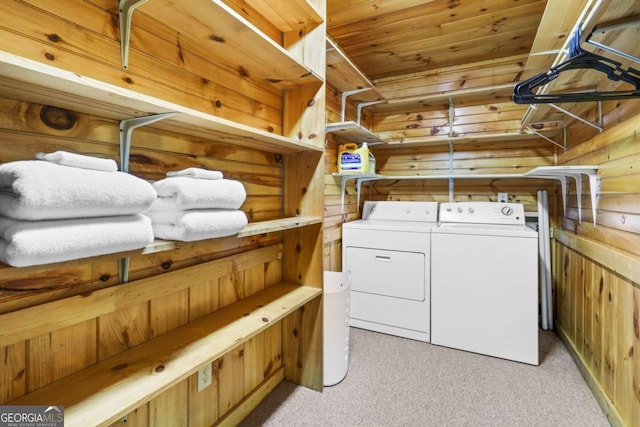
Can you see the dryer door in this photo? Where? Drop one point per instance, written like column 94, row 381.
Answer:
column 391, row 273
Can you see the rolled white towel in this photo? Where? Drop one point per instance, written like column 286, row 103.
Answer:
column 25, row 243
column 82, row 161
column 197, row 173
column 37, row 190
column 182, row 193
column 197, row 224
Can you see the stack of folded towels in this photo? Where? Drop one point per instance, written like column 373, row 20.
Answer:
column 65, row 206
column 196, row 204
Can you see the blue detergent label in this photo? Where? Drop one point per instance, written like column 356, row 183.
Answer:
column 350, row 161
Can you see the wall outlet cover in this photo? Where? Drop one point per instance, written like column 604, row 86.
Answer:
column 204, row 377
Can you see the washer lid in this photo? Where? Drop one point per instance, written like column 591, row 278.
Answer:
column 486, row 230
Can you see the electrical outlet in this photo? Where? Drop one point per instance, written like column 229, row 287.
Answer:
column 204, row 377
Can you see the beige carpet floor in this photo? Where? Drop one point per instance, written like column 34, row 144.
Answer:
column 399, row 382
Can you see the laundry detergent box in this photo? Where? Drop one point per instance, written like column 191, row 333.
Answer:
column 353, row 160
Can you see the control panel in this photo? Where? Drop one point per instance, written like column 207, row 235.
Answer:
column 483, row 213
column 400, row 211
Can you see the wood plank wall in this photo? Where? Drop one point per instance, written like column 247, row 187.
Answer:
column 596, row 269
column 84, row 35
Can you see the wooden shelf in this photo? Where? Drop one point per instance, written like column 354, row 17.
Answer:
column 345, row 75
column 103, row 393
column 252, row 229
column 159, row 245
column 279, row 225
column 28, row 80
column 444, row 140
column 226, row 37
column 560, row 173
column 287, row 15
column 352, row 131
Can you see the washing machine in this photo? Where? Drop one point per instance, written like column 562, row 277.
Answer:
column 484, row 281
column 388, row 253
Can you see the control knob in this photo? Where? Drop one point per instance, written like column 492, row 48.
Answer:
column 507, row 210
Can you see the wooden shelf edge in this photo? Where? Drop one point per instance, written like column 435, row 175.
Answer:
column 288, row 16
column 159, row 245
column 345, row 75
column 32, row 81
column 562, row 170
column 354, row 132
column 244, row 45
column 102, row 393
column 279, row 225
column 441, row 140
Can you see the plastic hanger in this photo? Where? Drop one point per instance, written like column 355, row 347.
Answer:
column 578, row 58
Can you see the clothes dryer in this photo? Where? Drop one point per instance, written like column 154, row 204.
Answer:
column 388, row 253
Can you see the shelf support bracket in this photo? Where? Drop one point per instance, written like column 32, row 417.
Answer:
column 345, row 94
column 577, row 175
column 630, row 22
column 125, row 12
column 451, row 180
column 452, row 113
column 594, row 189
column 365, row 104
column 575, row 116
column 126, row 129
column 532, row 130
column 123, row 270
column 343, row 186
column 600, row 115
column 359, row 182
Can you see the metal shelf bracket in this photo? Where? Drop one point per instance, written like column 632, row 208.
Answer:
column 575, row 116
column 125, row 12
column 126, row 129
column 366, row 104
column 345, row 94
column 535, row 132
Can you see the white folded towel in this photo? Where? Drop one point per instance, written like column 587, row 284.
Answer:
column 25, row 243
column 37, row 190
column 197, row 173
column 197, row 224
column 182, row 193
column 65, row 158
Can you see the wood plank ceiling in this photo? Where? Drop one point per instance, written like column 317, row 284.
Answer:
column 428, row 56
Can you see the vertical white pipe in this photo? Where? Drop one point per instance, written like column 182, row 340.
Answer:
column 547, row 255
column 542, row 263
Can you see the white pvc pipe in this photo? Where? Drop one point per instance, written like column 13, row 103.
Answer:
column 542, row 262
column 547, row 255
